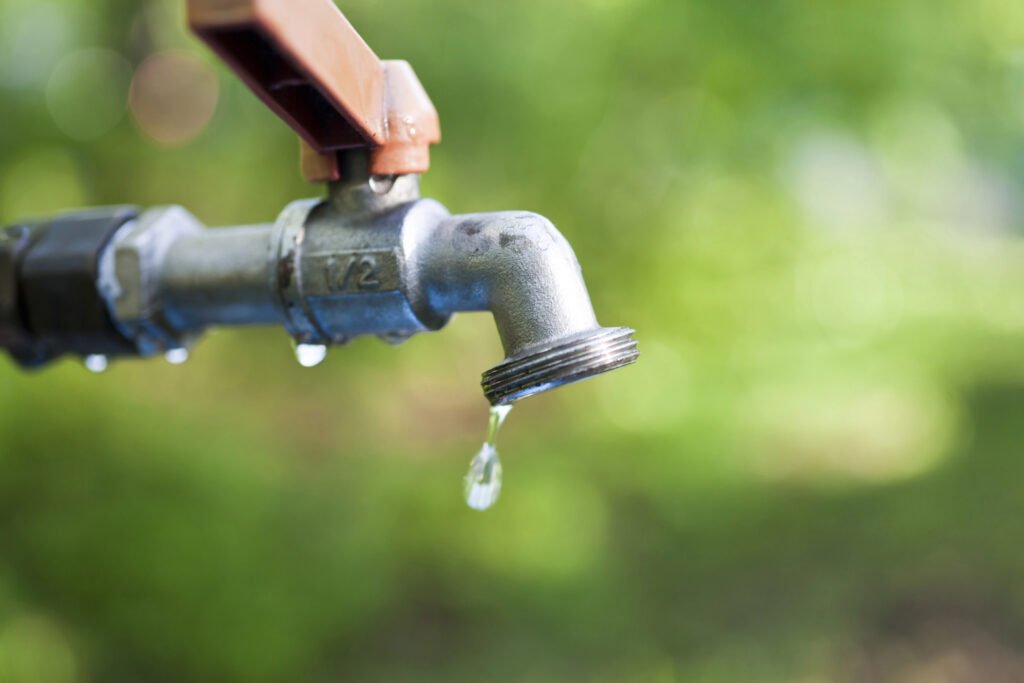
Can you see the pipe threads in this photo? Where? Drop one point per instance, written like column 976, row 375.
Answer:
column 561, row 362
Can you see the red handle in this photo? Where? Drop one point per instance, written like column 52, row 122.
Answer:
column 310, row 66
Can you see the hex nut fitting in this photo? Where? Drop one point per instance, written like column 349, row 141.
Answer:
column 132, row 279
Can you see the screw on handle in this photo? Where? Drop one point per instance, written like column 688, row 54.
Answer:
column 306, row 62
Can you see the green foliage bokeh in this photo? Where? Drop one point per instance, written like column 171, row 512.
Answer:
column 811, row 213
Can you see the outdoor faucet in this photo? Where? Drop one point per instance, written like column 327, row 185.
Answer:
column 372, row 258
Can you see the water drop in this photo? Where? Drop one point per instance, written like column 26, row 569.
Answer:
column 96, row 363
column 310, row 355
column 382, row 184
column 176, row 356
column 483, row 481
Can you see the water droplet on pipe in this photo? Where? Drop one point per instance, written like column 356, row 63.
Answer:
column 96, row 363
column 176, row 356
column 382, row 184
column 310, row 355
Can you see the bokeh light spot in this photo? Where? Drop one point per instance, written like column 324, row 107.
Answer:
column 837, row 182
column 32, row 38
column 86, row 92
column 173, row 97
column 848, row 431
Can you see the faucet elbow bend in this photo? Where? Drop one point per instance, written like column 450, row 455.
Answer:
column 515, row 265
column 519, row 267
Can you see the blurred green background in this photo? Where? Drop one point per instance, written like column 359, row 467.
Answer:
column 811, row 213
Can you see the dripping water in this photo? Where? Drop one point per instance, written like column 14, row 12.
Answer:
column 483, row 481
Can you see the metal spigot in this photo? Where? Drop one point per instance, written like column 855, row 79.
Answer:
column 520, row 268
column 373, row 258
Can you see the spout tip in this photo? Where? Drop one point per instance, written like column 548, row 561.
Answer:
column 564, row 361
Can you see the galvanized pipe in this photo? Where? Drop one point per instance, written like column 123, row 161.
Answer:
column 219, row 277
